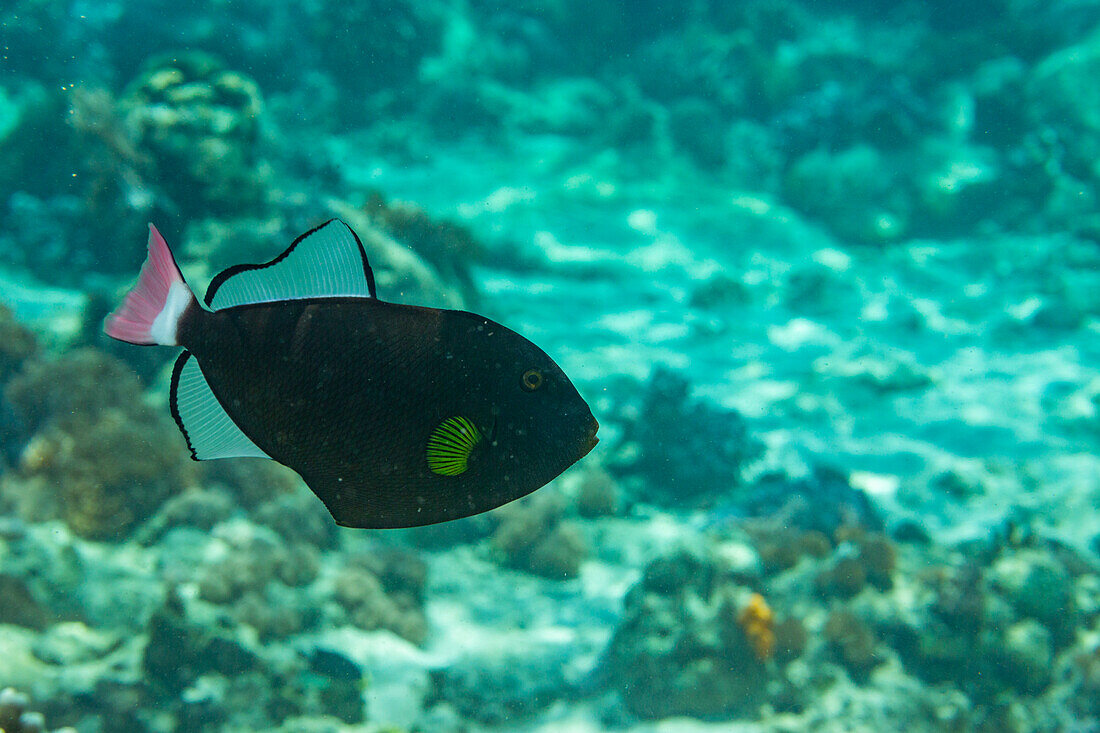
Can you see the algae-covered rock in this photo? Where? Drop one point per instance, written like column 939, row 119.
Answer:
column 181, row 649
column 16, row 344
column 374, row 46
column 243, row 559
column 254, row 482
column 1086, row 669
column 1026, row 656
column 854, row 191
column 853, row 642
column 41, row 574
column 19, row 606
column 73, row 642
column 1037, row 585
column 781, row 548
column 957, row 186
column 84, row 381
column 259, row 580
column 1065, row 99
column 299, row 516
column 328, row 683
column 196, row 508
column 100, row 496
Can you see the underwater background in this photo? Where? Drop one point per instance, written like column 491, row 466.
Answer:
column 828, row 273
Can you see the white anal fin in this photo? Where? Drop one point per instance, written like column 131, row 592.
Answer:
column 209, row 431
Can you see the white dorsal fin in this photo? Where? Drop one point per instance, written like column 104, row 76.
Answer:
column 210, row 432
column 325, row 262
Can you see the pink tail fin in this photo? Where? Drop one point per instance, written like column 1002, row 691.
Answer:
column 152, row 308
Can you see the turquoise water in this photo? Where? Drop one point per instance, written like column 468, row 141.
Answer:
column 827, row 274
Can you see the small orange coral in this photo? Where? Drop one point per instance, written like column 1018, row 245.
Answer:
column 758, row 622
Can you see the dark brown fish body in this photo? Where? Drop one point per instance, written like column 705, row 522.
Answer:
column 351, row 391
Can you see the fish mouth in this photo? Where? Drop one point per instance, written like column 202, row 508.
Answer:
column 590, row 439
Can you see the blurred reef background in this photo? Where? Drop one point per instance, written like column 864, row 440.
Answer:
column 828, row 273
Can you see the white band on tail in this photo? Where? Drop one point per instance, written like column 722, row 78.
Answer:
column 164, row 325
column 151, row 311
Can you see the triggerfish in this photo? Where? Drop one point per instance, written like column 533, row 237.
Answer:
column 394, row 415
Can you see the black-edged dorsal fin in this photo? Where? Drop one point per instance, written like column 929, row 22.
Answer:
column 327, row 261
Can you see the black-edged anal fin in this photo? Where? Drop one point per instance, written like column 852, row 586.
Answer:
column 209, row 430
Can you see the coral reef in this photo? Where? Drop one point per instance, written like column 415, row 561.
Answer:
column 534, row 536
column 83, row 381
column 852, row 641
column 449, row 247
column 598, row 494
column 683, row 450
column 16, row 718
column 861, row 235
column 197, row 668
column 384, row 590
column 861, row 558
column 254, row 575
column 996, row 628
column 845, row 189
column 299, row 517
column 18, row 605
column 781, row 547
column 503, row 688
column 196, row 508
column 257, row 483
column 84, row 415
column 821, row 502
column 324, row 682
column 199, row 125
column 1061, row 99
column 684, row 647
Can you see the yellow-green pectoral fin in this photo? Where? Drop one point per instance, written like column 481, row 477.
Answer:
column 451, row 444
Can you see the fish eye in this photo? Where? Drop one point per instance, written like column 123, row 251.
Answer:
column 532, row 380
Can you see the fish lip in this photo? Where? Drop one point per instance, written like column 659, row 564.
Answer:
column 590, row 439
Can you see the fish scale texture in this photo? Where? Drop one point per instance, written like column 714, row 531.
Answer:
column 347, row 392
